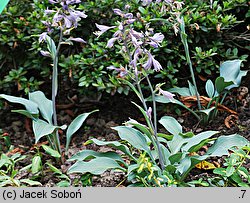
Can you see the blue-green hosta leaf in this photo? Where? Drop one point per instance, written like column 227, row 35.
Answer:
column 42, row 128
column 191, row 88
column 230, row 71
column 31, row 106
column 164, row 100
column 226, row 142
column 193, row 141
column 171, row 125
column 115, row 144
column 188, row 163
column 26, row 113
column 176, row 143
column 44, row 105
column 133, row 137
column 3, row 4
column 210, row 88
column 75, row 125
column 183, row 91
column 89, row 154
column 206, row 111
column 95, row 166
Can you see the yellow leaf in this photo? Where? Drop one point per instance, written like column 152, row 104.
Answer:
column 205, row 165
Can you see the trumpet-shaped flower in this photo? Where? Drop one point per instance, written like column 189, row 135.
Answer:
column 166, row 94
column 102, row 29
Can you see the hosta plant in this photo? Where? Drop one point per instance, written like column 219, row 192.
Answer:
column 41, row 110
column 230, row 77
column 140, row 161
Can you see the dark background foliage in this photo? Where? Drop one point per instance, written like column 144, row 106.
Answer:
column 216, row 33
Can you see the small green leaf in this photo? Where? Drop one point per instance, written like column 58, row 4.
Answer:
column 183, row 91
column 75, row 125
column 210, row 88
column 54, row 169
column 51, row 151
column 221, row 85
column 36, row 164
column 95, row 166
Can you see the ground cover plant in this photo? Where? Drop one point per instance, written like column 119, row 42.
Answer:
column 136, row 48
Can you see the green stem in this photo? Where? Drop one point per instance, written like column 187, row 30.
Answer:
column 185, row 43
column 54, row 93
column 155, row 125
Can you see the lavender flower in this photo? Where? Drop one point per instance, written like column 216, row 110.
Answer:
column 111, row 42
column 166, row 94
column 149, row 113
column 122, row 71
column 45, row 53
column 77, row 39
column 42, row 37
column 102, row 29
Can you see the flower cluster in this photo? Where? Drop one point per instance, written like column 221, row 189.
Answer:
column 64, row 18
column 135, row 43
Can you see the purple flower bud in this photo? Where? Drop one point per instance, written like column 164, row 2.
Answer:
column 137, row 35
column 166, row 94
column 158, row 37
column 47, row 11
column 117, row 11
column 42, row 37
column 130, row 21
column 120, row 27
column 128, row 15
column 149, row 113
column 78, row 39
column 53, row 2
column 45, row 53
column 111, row 42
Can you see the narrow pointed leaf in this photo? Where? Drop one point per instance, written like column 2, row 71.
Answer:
column 75, row 125
column 42, row 128
column 31, row 106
